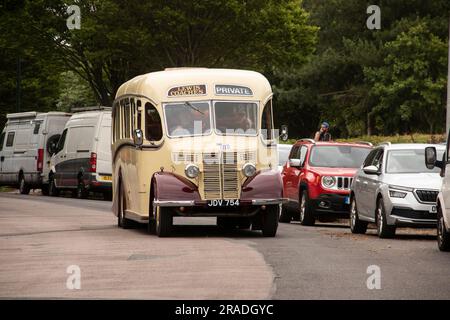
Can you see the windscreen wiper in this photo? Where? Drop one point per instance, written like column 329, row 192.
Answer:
column 187, row 103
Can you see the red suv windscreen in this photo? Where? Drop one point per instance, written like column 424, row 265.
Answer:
column 338, row 156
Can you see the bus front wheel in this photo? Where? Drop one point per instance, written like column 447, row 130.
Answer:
column 163, row 221
column 270, row 221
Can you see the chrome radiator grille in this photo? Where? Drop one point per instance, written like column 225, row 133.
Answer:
column 221, row 175
column 211, row 176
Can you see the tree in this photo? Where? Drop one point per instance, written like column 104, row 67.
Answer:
column 121, row 39
column 410, row 86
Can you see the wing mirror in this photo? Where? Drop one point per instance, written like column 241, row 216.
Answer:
column 430, row 157
column 294, row 163
column 371, row 170
column 284, row 133
column 138, row 137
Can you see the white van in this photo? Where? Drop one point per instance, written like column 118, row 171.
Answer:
column 26, row 145
column 82, row 160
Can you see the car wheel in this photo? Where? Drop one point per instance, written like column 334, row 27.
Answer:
column 53, row 191
column 24, row 188
column 356, row 225
column 164, row 222
column 443, row 236
column 270, row 221
column 285, row 215
column 383, row 229
column 82, row 192
column 306, row 210
column 123, row 222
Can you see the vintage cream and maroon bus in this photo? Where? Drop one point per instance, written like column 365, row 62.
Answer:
column 196, row 142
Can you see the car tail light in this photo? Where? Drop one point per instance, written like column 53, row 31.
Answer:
column 40, row 160
column 93, row 162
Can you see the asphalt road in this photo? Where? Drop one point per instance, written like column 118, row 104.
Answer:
column 40, row 237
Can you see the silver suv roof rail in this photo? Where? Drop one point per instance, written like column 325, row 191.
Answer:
column 94, row 108
column 307, row 140
column 386, row 143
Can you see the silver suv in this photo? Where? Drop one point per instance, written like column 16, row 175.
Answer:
column 394, row 189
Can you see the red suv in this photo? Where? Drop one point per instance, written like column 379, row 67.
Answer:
column 317, row 179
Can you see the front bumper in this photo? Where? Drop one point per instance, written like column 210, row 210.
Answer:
column 201, row 208
column 408, row 217
column 408, row 212
column 334, row 204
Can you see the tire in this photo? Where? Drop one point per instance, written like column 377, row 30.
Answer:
column 53, row 191
column 122, row 222
column 285, row 215
column 270, row 221
column 82, row 193
column 443, row 236
column 24, row 188
column 383, row 229
column 306, row 210
column 107, row 195
column 44, row 189
column 356, row 225
column 164, row 222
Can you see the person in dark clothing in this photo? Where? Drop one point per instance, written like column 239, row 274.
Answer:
column 323, row 134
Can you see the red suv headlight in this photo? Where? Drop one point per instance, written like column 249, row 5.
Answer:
column 328, row 182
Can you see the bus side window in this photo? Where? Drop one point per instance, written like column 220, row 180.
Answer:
column 139, row 117
column 132, row 115
column 153, row 127
column 267, row 121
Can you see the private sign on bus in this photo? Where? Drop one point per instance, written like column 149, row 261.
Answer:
column 196, row 142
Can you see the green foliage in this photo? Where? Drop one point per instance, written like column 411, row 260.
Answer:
column 384, row 81
column 74, row 92
column 411, row 83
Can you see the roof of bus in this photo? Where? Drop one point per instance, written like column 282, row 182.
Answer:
column 156, row 85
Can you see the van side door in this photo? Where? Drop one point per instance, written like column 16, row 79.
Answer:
column 8, row 160
column 2, row 157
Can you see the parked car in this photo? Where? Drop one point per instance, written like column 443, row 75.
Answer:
column 317, row 179
column 26, row 145
column 283, row 155
column 82, row 161
column 432, row 154
column 394, row 189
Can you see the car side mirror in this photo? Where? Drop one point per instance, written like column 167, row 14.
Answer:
column 294, row 163
column 371, row 170
column 138, row 137
column 284, row 133
column 431, row 157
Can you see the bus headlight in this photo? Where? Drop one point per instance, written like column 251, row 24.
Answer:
column 249, row 169
column 328, row 181
column 191, row 171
